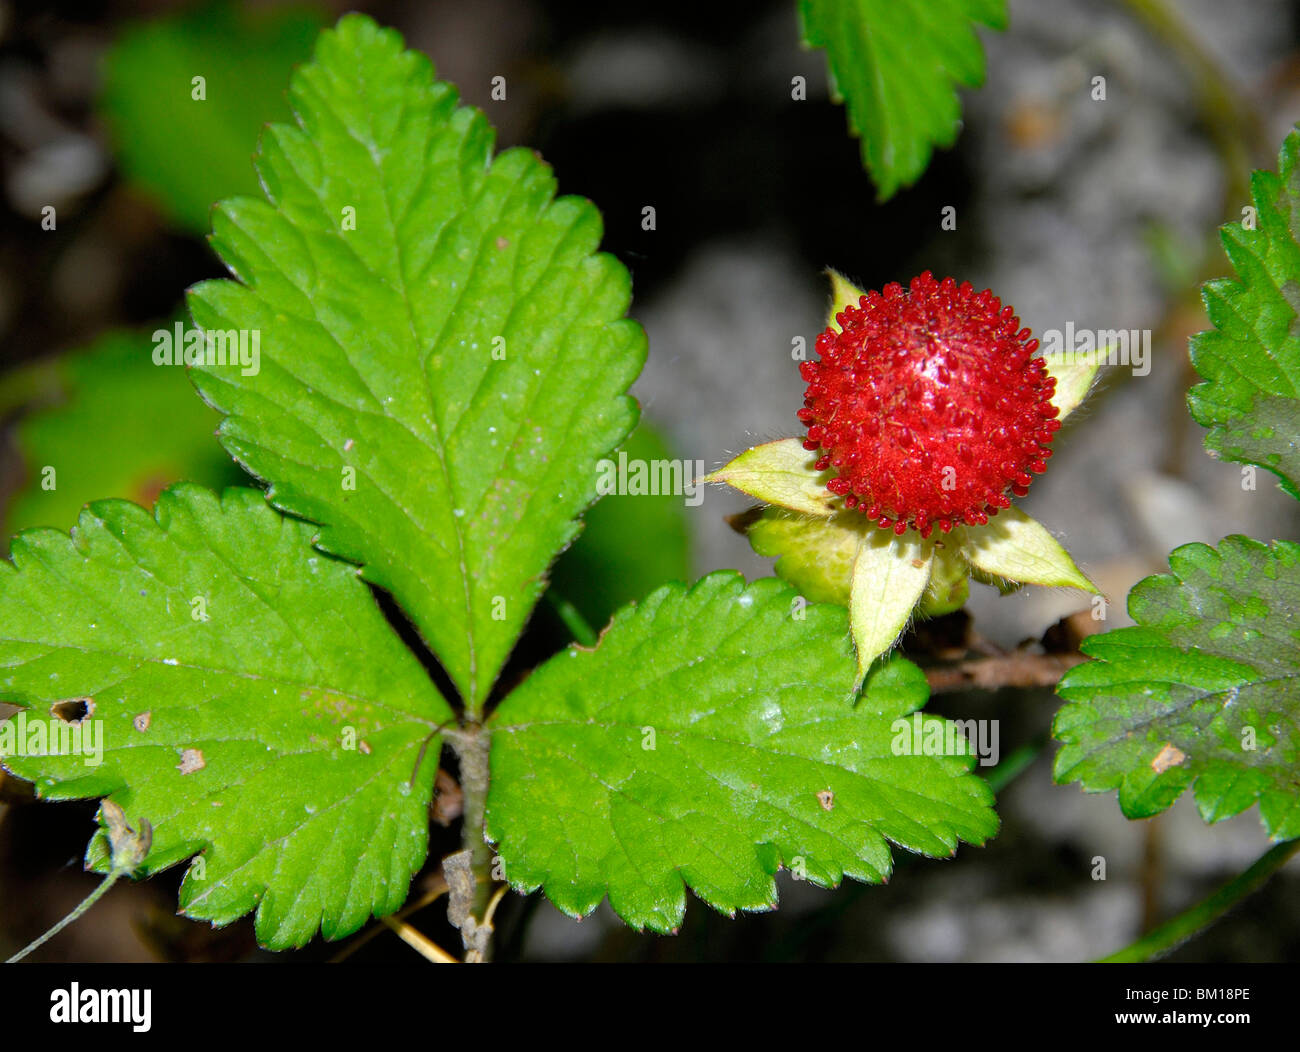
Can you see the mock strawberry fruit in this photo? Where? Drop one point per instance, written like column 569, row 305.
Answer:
column 930, row 406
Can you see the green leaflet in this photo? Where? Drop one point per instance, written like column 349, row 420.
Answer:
column 782, row 473
column 102, row 439
column 254, row 705
column 896, row 63
column 1250, row 360
column 444, row 354
column 1201, row 692
column 187, row 152
column 890, row 577
column 709, row 740
column 815, row 555
column 1074, row 379
column 1015, row 548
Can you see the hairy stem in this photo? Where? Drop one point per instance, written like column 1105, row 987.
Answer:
column 89, row 901
column 1201, row 916
column 472, row 746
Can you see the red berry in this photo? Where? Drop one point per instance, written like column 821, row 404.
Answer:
column 930, row 405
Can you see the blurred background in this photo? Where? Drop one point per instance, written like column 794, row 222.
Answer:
column 1095, row 213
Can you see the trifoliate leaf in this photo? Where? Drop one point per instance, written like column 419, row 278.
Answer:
column 1015, row 547
column 1251, row 358
column 708, row 741
column 444, row 356
column 250, row 700
column 781, row 473
column 1201, row 692
column 896, row 63
column 89, row 446
column 890, row 574
column 185, row 97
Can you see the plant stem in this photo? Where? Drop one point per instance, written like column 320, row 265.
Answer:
column 419, row 942
column 579, row 627
column 1152, row 873
column 432, row 895
column 89, row 901
column 1005, row 670
column 473, row 744
column 1014, row 765
column 1240, row 139
column 1187, row 924
column 1235, row 127
column 473, row 751
column 37, row 382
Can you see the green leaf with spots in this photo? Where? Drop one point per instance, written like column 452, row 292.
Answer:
column 711, row 739
column 120, row 426
column 897, row 64
column 1250, row 360
column 444, row 357
column 1201, row 692
column 238, row 689
column 188, row 152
